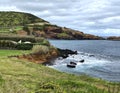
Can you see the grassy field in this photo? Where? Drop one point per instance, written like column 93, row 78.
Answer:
column 20, row 76
column 5, row 53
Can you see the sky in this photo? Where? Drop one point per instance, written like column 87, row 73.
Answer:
column 98, row 17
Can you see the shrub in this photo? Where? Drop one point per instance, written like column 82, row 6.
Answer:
column 42, row 41
column 7, row 44
column 17, row 38
column 46, row 42
column 40, row 49
column 64, row 36
column 24, row 46
column 39, row 39
column 37, row 27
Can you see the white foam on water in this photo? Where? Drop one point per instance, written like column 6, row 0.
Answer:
column 90, row 62
column 95, row 66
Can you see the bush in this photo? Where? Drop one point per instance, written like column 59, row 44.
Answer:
column 46, row 42
column 14, row 45
column 64, row 36
column 7, row 44
column 40, row 49
column 39, row 39
column 17, row 38
column 42, row 41
column 24, row 46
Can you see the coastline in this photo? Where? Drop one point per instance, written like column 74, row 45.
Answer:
column 46, row 58
column 18, row 75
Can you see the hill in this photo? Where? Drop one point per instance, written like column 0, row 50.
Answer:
column 28, row 24
column 113, row 38
column 17, row 18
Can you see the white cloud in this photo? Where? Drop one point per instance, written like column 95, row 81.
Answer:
column 8, row 8
column 112, row 32
column 99, row 17
column 111, row 19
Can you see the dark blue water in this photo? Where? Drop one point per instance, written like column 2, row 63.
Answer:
column 104, row 64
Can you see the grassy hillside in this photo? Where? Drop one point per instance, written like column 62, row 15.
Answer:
column 8, row 19
column 20, row 76
column 28, row 24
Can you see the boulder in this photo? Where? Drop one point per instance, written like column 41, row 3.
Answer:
column 81, row 61
column 66, row 52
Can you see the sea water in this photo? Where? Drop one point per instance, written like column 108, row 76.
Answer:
column 102, row 58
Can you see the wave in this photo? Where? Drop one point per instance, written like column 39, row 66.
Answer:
column 94, row 65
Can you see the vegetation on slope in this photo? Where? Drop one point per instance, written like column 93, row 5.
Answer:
column 28, row 24
column 8, row 19
column 40, row 54
column 21, row 42
column 19, row 76
column 23, row 76
column 113, row 38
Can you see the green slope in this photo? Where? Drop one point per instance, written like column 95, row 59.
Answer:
column 28, row 24
column 20, row 76
column 17, row 18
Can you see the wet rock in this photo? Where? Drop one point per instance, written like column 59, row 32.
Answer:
column 81, row 61
column 60, row 58
column 66, row 52
column 74, row 63
column 91, row 55
column 71, row 65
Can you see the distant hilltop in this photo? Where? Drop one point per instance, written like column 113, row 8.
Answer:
column 28, row 24
column 113, row 38
column 17, row 18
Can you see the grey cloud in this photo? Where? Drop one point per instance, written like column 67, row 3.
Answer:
column 90, row 16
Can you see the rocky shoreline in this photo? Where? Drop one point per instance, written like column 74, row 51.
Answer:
column 114, row 38
column 64, row 53
column 46, row 58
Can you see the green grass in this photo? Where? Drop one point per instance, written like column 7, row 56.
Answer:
column 17, row 18
column 17, row 28
column 63, row 35
column 7, row 30
column 20, row 76
column 4, row 30
column 5, row 53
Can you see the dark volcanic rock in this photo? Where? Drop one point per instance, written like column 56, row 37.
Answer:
column 74, row 63
column 65, row 52
column 91, row 55
column 81, row 61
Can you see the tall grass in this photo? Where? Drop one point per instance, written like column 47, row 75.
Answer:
column 22, row 76
column 12, row 86
column 40, row 49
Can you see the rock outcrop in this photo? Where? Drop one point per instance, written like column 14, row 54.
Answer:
column 56, row 32
column 65, row 52
column 46, row 58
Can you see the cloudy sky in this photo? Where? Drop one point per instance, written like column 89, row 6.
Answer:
column 98, row 17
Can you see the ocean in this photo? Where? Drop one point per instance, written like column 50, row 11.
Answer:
column 102, row 58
